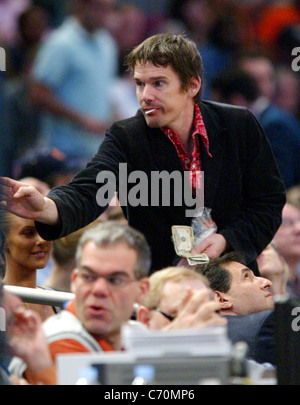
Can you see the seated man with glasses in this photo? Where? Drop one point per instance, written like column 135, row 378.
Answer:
column 113, row 261
column 179, row 298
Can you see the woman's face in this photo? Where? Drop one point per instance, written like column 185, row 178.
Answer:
column 25, row 246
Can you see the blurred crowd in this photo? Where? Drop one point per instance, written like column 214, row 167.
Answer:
column 65, row 84
column 34, row 32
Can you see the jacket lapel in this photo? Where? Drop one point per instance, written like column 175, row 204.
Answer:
column 212, row 165
column 163, row 151
column 165, row 156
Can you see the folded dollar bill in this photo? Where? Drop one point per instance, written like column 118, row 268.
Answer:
column 184, row 242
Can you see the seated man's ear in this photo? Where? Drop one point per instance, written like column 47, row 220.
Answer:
column 223, row 300
column 194, row 86
column 143, row 315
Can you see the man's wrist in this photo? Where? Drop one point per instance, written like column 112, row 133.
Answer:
column 49, row 214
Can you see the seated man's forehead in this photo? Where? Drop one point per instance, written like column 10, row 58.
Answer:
column 235, row 266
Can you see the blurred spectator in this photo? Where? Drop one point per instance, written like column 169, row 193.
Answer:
column 287, row 94
column 272, row 266
column 274, row 20
column 48, row 165
column 123, row 16
column 32, row 27
column 237, row 87
column 21, row 117
column 198, row 17
column 293, row 196
column 287, row 242
column 122, row 96
column 288, row 39
column 246, row 14
column 5, row 162
column 71, row 78
column 260, row 66
column 57, row 10
column 24, row 337
column 179, row 298
column 122, row 92
column 203, row 27
column 9, row 13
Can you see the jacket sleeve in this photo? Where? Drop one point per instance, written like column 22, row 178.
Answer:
column 83, row 200
column 258, row 216
column 265, row 341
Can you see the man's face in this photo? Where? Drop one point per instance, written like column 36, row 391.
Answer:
column 173, row 297
column 287, row 238
column 94, row 13
column 106, row 289
column 263, row 72
column 163, row 101
column 247, row 293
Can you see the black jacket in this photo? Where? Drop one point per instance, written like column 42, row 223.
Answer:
column 258, row 331
column 242, row 185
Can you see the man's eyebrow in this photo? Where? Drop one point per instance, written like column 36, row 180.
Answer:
column 87, row 268
column 113, row 273
column 152, row 78
column 245, row 270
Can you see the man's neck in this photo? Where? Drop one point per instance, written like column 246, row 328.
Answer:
column 185, row 129
column 88, row 28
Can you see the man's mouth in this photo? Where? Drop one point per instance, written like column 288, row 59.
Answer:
column 150, row 111
column 96, row 310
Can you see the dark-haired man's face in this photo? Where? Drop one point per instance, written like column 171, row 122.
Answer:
column 163, row 101
column 94, row 13
column 247, row 293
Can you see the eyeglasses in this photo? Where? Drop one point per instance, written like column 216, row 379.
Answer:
column 169, row 317
column 114, row 280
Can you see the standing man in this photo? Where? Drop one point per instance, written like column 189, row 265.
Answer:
column 173, row 132
column 71, row 78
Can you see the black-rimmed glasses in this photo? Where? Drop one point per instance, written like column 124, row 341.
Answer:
column 168, row 316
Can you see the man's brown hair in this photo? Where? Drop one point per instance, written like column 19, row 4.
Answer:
column 172, row 50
